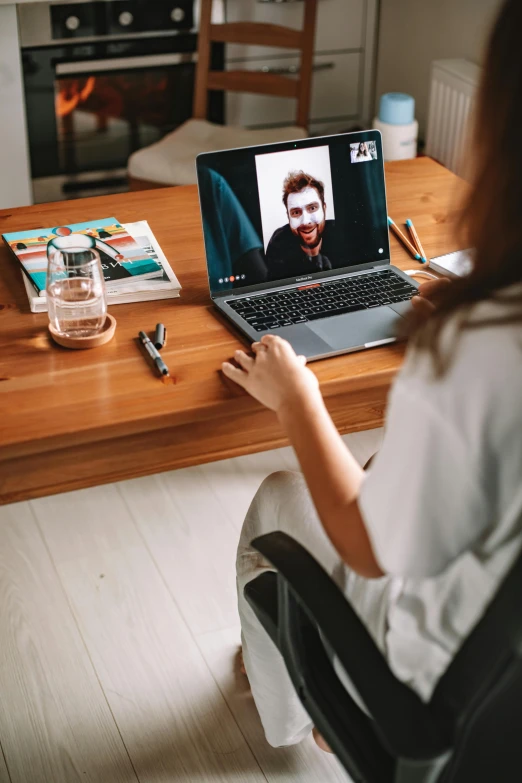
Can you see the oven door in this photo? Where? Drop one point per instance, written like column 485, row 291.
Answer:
column 89, row 106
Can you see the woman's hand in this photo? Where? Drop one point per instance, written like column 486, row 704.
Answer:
column 276, row 376
column 425, row 302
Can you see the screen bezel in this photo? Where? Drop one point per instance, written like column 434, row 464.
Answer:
column 382, row 261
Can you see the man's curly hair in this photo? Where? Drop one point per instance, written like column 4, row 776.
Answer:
column 296, row 181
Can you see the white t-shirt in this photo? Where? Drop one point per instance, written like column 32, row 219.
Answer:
column 442, row 501
column 356, row 158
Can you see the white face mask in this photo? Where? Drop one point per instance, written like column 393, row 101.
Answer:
column 305, row 208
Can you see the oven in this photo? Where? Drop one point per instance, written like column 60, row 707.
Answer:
column 103, row 79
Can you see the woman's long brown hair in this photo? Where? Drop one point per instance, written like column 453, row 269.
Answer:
column 492, row 213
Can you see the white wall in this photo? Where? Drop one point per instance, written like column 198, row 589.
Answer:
column 412, row 33
column 15, row 185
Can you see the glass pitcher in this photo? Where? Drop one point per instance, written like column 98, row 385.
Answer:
column 75, row 288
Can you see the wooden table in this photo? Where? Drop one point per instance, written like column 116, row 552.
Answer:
column 72, row 419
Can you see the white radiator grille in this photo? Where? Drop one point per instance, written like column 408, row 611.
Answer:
column 453, row 87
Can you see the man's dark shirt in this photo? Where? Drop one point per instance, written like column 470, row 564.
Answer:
column 285, row 258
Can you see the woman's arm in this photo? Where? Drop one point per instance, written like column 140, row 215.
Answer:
column 334, row 479
column 279, row 379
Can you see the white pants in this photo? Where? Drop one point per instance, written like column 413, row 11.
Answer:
column 284, row 503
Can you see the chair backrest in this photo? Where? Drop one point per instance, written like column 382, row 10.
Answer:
column 470, row 728
column 480, row 693
column 260, row 34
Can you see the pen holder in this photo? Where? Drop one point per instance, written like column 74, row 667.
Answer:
column 79, row 343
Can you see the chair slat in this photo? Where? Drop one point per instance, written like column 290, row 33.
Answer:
column 254, row 82
column 257, row 33
column 305, row 82
column 200, row 105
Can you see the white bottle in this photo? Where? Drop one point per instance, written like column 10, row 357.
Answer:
column 398, row 126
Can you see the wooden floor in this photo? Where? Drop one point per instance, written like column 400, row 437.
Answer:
column 118, row 632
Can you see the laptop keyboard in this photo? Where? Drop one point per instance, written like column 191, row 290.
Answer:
column 322, row 300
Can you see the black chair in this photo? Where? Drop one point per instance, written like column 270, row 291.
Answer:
column 470, row 731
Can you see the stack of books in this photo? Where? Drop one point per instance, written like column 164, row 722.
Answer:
column 134, row 266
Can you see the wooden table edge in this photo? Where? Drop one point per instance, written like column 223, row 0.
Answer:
column 80, row 465
column 243, row 404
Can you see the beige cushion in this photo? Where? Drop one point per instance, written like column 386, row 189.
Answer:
column 172, row 160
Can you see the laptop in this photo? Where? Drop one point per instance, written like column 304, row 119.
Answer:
column 297, row 244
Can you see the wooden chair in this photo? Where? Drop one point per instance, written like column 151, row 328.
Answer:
column 171, row 160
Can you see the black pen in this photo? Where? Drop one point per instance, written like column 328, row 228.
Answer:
column 153, row 353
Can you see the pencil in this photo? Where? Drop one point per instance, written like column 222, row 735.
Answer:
column 404, row 239
column 416, row 240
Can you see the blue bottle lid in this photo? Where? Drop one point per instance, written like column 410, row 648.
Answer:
column 397, row 108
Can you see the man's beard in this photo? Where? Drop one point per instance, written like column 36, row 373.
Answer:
column 304, row 238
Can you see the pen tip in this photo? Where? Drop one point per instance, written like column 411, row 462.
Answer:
column 424, row 260
column 418, row 257
column 390, row 221
column 408, row 222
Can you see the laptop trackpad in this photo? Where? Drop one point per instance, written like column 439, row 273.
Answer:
column 357, row 329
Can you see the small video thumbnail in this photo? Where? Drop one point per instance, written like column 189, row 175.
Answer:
column 363, row 151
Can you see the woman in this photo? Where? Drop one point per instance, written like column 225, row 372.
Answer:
column 361, row 154
column 421, row 542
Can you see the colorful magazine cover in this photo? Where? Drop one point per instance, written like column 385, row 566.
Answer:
column 142, row 234
column 123, row 261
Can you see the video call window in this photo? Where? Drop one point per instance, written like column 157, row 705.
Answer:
column 297, row 210
column 363, row 152
column 291, row 214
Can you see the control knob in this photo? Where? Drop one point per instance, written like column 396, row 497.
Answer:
column 125, row 18
column 177, row 14
column 72, row 23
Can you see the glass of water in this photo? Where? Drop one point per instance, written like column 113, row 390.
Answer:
column 75, row 287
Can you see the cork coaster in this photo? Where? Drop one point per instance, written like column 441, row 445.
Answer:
column 106, row 334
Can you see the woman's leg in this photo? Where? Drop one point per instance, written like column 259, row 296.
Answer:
column 284, row 503
column 281, row 503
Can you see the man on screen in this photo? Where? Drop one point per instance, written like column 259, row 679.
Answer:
column 307, row 243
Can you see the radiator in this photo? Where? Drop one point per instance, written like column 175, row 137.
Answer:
column 452, row 92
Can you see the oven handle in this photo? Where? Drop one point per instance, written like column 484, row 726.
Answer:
column 295, row 70
column 119, row 63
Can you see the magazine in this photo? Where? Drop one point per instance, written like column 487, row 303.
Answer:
column 143, row 236
column 164, row 284
column 124, row 262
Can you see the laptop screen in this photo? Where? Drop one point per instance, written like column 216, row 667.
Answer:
column 293, row 212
